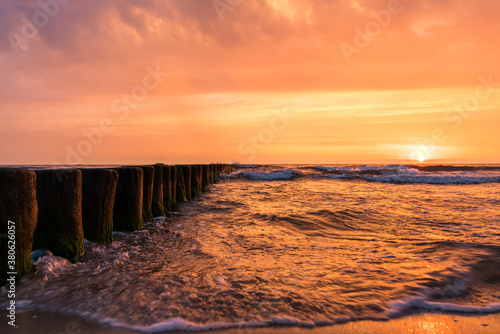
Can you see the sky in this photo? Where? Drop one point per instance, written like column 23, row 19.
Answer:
column 250, row 81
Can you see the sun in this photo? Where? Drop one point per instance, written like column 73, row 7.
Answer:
column 421, row 158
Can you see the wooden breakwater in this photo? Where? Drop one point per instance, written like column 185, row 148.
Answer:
column 55, row 209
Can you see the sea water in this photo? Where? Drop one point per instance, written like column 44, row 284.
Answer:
column 293, row 245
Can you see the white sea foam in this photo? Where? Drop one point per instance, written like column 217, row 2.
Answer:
column 434, row 178
column 408, row 175
column 403, row 306
column 51, row 265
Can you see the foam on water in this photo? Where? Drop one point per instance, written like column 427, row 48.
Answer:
column 397, row 174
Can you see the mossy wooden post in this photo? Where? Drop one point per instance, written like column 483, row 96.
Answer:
column 17, row 205
column 186, row 174
column 158, row 205
column 206, row 176
column 98, row 201
column 196, row 180
column 147, row 201
column 218, row 171
column 168, row 187
column 173, row 185
column 212, row 174
column 127, row 215
column 181, row 186
column 60, row 223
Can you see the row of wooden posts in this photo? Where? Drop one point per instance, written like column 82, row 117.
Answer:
column 55, row 209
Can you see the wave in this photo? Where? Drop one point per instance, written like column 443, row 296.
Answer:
column 285, row 174
column 454, row 285
column 451, row 168
column 238, row 165
column 434, row 179
column 402, row 307
column 396, row 174
column 406, row 174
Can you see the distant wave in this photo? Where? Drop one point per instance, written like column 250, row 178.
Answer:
column 285, row 174
column 402, row 174
column 396, row 174
column 443, row 168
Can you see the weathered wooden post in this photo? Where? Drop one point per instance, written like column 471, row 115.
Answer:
column 129, row 199
column 196, row 180
column 60, row 226
column 181, row 187
column 18, row 218
column 206, row 176
column 98, row 198
column 218, row 171
column 173, row 184
column 212, row 174
column 168, row 188
column 186, row 174
column 147, row 201
column 158, row 191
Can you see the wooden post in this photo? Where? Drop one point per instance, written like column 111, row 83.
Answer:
column 129, row 199
column 158, row 190
column 147, row 201
column 98, row 196
column 18, row 218
column 60, row 225
column 181, row 187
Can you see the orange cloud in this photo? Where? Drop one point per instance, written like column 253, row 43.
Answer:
column 226, row 77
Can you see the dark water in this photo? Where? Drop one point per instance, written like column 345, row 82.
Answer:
column 298, row 245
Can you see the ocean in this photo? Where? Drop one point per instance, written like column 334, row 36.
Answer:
column 298, row 245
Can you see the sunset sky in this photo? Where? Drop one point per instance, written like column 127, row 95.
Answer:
column 253, row 81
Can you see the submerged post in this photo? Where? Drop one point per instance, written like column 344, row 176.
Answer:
column 98, row 197
column 18, row 218
column 60, row 227
column 129, row 199
column 158, row 205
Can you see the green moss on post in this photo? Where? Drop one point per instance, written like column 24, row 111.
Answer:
column 212, row 174
column 147, row 192
column 180, row 187
column 218, row 171
column 173, row 184
column 186, row 175
column 196, row 180
column 60, row 226
column 98, row 198
column 168, row 188
column 17, row 204
column 206, row 176
column 158, row 205
column 127, row 215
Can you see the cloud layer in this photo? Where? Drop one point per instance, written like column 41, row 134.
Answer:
column 83, row 55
